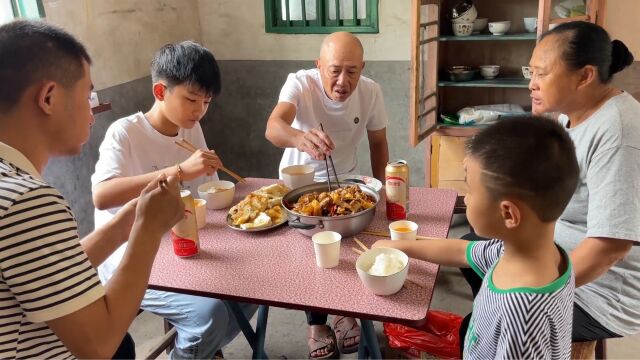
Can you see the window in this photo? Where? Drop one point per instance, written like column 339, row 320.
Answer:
column 13, row 9
column 320, row 16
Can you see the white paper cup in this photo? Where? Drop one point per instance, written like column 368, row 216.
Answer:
column 201, row 212
column 403, row 230
column 296, row 176
column 326, row 245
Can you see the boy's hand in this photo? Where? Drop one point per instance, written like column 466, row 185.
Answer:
column 160, row 205
column 383, row 243
column 201, row 162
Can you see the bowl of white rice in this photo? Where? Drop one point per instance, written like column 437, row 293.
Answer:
column 383, row 270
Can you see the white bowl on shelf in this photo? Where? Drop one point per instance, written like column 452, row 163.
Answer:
column 489, row 71
column 531, row 24
column 467, row 16
column 527, row 72
column 462, row 29
column 499, row 27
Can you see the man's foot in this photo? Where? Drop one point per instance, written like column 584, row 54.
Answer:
column 347, row 334
column 322, row 342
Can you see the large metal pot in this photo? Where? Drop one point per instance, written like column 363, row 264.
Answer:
column 346, row 225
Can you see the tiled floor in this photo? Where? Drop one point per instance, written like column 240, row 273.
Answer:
column 286, row 330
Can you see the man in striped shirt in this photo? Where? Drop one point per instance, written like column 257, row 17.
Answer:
column 521, row 173
column 52, row 304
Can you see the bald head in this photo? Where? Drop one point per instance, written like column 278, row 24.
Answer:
column 340, row 65
column 342, row 44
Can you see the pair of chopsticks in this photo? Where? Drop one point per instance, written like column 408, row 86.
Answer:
column 185, row 144
column 326, row 165
column 386, row 234
column 365, row 248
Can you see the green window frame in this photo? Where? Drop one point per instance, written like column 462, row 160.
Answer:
column 280, row 19
column 14, row 9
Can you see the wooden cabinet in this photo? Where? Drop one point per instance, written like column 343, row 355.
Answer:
column 435, row 48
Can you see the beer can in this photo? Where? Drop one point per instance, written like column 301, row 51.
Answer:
column 396, row 176
column 184, row 234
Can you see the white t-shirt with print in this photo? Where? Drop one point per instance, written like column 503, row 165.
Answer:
column 345, row 122
column 133, row 147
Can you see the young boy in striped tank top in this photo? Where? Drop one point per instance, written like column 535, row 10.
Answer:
column 521, row 174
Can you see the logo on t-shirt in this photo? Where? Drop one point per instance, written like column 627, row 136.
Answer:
column 356, row 120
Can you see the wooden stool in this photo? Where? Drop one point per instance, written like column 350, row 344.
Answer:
column 589, row 349
column 165, row 342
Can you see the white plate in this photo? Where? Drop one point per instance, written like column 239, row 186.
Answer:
column 362, row 179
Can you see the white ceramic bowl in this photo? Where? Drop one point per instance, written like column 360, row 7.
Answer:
column 499, row 27
column 479, row 24
column 462, row 29
column 382, row 285
column 489, row 71
column 530, row 23
column 296, row 176
column 219, row 198
column 527, row 72
column 467, row 17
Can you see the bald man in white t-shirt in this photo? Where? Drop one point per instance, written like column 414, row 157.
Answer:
column 348, row 106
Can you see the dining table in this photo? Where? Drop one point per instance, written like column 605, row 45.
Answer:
column 277, row 267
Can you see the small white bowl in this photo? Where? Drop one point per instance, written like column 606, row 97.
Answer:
column 489, row 71
column 296, row 176
column 531, row 24
column 466, row 17
column 217, row 193
column 479, row 24
column 382, row 285
column 499, row 27
column 527, row 72
column 462, row 29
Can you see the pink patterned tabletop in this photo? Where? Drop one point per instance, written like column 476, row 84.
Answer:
column 277, row 267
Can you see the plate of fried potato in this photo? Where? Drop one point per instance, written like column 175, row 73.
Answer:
column 260, row 210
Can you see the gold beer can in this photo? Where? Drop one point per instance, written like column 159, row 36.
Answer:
column 184, row 234
column 396, row 175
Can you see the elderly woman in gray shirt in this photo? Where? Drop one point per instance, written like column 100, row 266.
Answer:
column 573, row 65
column 572, row 70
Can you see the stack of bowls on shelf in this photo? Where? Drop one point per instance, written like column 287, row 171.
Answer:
column 462, row 18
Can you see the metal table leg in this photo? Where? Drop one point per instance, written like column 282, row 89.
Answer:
column 369, row 346
column 254, row 338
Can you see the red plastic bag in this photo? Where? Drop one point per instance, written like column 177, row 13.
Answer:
column 439, row 336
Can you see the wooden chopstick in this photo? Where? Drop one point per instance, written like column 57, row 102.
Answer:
column 357, row 251
column 363, row 246
column 185, row 144
column 386, row 234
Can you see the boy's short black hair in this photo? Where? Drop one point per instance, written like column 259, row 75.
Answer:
column 187, row 63
column 34, row 51
column 529, row 158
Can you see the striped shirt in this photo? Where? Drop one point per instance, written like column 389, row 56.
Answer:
column 518, row 323
column 44, row 273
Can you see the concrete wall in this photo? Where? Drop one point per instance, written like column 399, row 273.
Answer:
column 123, row 35
column 234, row 29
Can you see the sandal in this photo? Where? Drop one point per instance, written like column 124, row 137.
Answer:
column 328, row 342
column 346, row 330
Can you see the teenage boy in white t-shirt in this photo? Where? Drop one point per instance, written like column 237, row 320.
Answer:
column 138, row 147
column 348, row 106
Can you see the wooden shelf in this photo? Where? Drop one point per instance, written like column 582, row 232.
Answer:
column 490, row 37
column 101, row 108
column 493, row 83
